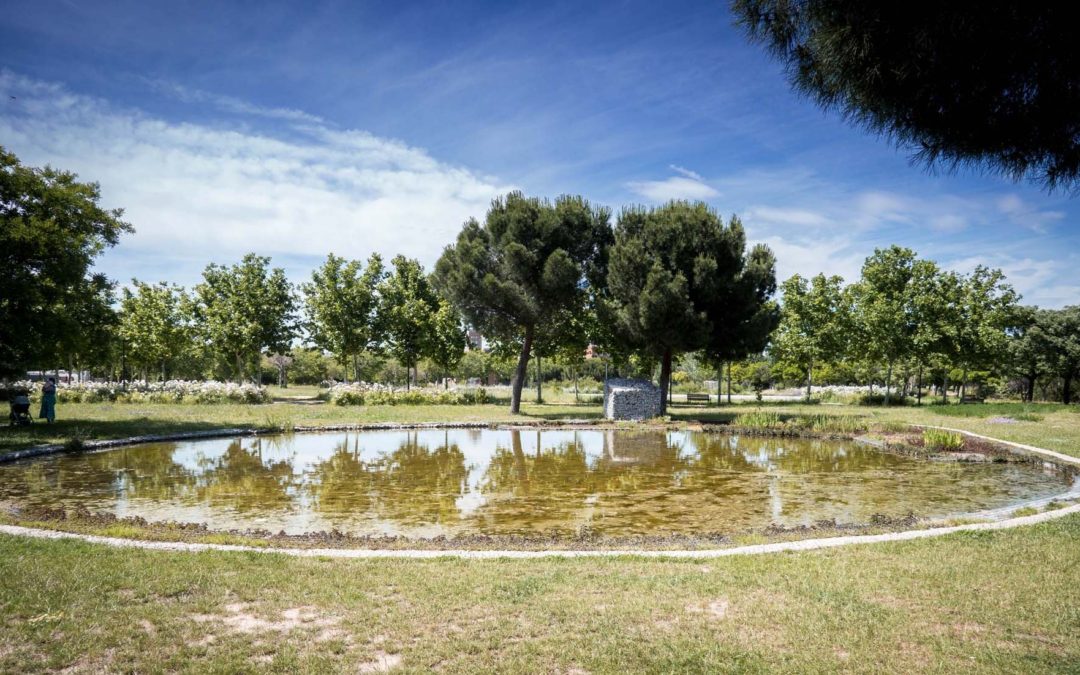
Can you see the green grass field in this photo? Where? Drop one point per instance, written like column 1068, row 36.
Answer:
column 975, row 602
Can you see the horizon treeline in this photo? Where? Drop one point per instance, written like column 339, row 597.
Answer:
column 661, row 291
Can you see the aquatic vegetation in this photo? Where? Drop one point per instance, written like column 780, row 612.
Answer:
column 939, row 439
column 758, row 419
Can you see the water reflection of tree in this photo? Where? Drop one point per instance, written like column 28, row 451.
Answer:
column 142, row 471
column 418, row 484
column 343, row 483
column 534, row 492
column 242, row 479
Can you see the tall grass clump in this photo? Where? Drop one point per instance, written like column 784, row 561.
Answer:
column 758, row 419
column 833, row 424
column 939, row 439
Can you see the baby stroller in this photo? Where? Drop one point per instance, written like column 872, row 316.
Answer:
column 20, row 410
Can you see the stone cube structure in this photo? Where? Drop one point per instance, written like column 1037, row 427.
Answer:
column 631, row 399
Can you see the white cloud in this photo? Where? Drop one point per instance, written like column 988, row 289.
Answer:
column 213, row 193
column 810, row 257
column 786, row 216
column 686, row 185
column 1040, row 282
column 814, row 226
column 692, row 175
column 1017, row 212
column 230, row 104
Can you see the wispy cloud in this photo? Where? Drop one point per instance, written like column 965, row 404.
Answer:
column 1047, row 283
column 230, row 104
column 213, row 193
column 692, row 175
column 686, row 185
column 1017, row 212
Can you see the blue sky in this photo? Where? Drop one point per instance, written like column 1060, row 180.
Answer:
column 297, row 129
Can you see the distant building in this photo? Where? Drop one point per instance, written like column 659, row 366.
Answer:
column 475, row 340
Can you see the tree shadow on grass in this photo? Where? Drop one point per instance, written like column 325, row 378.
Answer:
column 555, row 416
column 702, row 415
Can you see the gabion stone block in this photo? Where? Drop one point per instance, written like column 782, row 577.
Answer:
column 631, row 400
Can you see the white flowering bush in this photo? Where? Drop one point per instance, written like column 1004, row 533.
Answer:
column 172, row 391
column 366, row 393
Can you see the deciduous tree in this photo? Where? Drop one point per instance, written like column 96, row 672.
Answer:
column 154, row 325
column 407, row 310
column 815, row 324
column 51, row 231
column 245, row 309
column 341, row 303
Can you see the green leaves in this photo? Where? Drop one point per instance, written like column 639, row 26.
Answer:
column 155, row 325
column 681, row 280
column 528, row 263
column 815, row 323
column 407, row 311
column 245, row 309
column 341, row 303
column 51, row 231
column 994, row 89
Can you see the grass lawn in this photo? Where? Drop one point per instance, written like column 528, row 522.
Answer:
column 981, row 602
column 992, row 602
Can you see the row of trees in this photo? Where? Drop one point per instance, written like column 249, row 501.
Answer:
column 907, row 312
column 903, row 309
column 539, row 279
column 241, row 312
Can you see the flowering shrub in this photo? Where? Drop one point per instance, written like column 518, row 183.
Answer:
column 379, row 394
column 173, row 391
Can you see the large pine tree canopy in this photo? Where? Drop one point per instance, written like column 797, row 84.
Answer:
column 993, row 85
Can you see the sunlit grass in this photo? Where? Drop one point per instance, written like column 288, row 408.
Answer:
column 972, row 602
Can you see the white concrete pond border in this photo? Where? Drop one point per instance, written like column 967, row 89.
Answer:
column 756, row 549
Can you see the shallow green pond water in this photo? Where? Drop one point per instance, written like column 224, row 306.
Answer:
column 445, row 482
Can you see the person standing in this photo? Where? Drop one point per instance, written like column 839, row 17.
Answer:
column 48, row 401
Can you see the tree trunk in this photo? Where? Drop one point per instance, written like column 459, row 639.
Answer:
column 963, row 385
column 809, row 379
column 918, row 385
column 521, row 470
column 665, row 381
column 239, row 368
column 1066, row 389
column 719, row 379
column 576, row 398
column 728, row 384
column 945, row 388
column 1030, row 397
column 888, row 383
column 520, row 372
column 539, row 381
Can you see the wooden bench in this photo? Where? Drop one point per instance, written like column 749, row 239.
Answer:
column 697, row 398
column 973, row 399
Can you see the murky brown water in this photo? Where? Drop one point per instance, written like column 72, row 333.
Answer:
column 432, row 482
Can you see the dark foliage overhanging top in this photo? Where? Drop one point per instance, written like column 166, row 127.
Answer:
column 993, row 85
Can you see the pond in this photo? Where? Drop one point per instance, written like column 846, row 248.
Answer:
column 425, row 483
